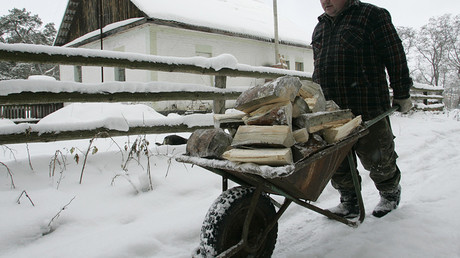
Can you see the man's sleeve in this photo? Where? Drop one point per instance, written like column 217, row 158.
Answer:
column 389, row 47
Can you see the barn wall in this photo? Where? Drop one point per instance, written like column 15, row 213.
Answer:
column 86, row 18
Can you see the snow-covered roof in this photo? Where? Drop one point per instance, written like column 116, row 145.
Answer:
column 246, row 18
column 251, row 17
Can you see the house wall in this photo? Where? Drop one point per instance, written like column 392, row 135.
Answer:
column 169, row 41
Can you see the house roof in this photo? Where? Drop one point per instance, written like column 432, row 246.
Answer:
column 250, row 18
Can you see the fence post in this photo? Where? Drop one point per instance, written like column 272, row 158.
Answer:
column 219, row 105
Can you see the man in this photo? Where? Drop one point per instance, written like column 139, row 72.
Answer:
column 353, row 44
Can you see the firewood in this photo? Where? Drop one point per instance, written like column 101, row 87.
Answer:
column 273, row 114
column 299, row 107
column 230, row 121
column 303, row 150
column 315, row 122
column 208, row 143
column 282, row 89
column 272, row 157
column 301, row 135
column 259, row 135
column 331, row 106
column 335, row 134
column 313, row 95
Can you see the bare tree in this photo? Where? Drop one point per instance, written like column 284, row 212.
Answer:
column 454, row 51
column 432, row 46
column 408, row 37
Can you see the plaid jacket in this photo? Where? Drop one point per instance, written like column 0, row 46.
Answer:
column 351, row 53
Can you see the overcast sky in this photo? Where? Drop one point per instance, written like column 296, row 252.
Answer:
column 409, row 13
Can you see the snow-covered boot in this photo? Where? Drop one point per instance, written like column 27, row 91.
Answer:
column 348, row 206
column 389, row 200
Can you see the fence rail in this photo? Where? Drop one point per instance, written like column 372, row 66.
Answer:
column 85, row 57
column 428, row 98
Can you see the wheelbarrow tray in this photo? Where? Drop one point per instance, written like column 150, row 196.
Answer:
column 305, row 179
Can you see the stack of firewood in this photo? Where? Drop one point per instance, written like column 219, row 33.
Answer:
column 281, row 122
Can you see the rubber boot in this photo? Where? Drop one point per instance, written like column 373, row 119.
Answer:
column 348, row 206
column 389, row 200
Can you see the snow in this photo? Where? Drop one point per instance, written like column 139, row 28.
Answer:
column 105, row 29
column 113, row 116
column 251, row 17
column 108, row 218
column 17, row 86
column 217, row 63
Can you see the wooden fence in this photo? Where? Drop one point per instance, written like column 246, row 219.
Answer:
column 28, row 113
column 427, row 98
column 85, row 57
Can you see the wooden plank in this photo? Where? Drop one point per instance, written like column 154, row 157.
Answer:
column 335, row 134
column 29, row 137
column 259, row 135
column 42, row 55
column 49, row 97
column 280, row 90
column 272, row 157
column 218, row 106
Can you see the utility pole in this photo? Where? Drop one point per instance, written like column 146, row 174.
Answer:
column 101, row 25
column 275, row 18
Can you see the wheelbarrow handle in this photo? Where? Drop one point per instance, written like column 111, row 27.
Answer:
column 381, row 116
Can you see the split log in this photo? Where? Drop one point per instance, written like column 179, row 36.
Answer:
column 331, row 106
column 315, row 122
column 271, row 157
column 208, row 143
column 282, row 89
column 228, row 118
column 301, row 135
column 303, row 150
column 335, row 134
column 264, row 136
column 299, row 107
column 273, row 114
column 313, row 95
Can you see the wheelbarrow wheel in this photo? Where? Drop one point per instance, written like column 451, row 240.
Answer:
column 223, row 224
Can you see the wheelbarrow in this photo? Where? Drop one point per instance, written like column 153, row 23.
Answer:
column 243, row 220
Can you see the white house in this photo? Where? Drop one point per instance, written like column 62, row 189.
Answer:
column 181, row 28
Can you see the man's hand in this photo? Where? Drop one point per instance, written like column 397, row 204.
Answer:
column 404, row 104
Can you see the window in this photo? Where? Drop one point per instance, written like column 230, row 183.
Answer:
column 288, row 64
column 77, row 74
column 299, row 66
column 120, row 74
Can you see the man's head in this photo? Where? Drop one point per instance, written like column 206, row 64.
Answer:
column 333, row 7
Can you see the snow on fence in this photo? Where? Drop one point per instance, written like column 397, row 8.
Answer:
column 21, row 92
column 427, row 97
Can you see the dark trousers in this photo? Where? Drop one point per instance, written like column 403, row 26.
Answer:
column 376, row 152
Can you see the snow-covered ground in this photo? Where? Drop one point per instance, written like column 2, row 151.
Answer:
column 107, row 216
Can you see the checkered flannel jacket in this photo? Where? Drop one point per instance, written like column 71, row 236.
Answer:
column 351, row 53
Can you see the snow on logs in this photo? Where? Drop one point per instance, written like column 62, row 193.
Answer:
column 284, row 121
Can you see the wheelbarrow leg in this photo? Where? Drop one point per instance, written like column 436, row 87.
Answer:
column 357, row 185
